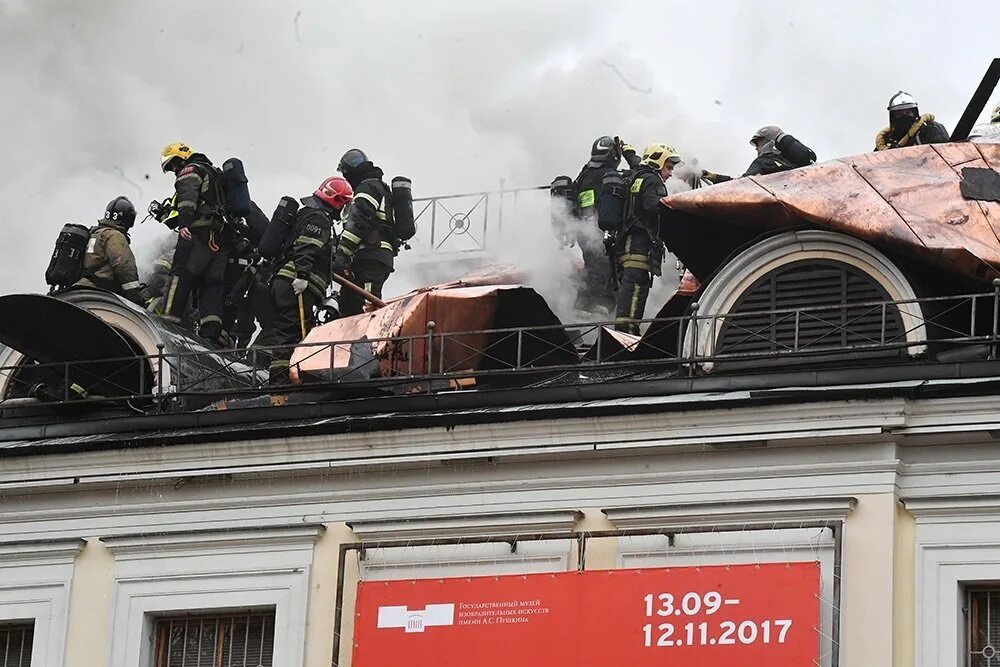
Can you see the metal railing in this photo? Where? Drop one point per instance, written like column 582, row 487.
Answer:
column 440, row 360
column 467, row 222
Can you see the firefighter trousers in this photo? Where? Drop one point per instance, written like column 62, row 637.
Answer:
column 368, row 274
column 293, row 318
column 639, row 258
column 592, row 290
column 196, row 266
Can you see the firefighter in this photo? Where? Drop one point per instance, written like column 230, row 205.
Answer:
column 199, row 261
column 368, row 243
column 109, row 263
column 640, row 250
column 238, row 318
column 907, row 127
column 605, row 156
column 776, row 151
column 303, row 276
column 987, row 133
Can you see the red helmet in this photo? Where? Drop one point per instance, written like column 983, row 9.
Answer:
column 335, row 191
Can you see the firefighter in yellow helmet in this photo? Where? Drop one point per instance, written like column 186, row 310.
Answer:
column 638, row 244
column 199, row 260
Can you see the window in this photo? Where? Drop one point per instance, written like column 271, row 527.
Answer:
column 215, row 640
column 15, row 644
column 983, row 627
column 831, row 286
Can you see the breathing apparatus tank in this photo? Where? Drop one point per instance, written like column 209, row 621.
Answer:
column 235, row 190
column 272, row 244
column 66, row 264
column 402, row 208
column 611, row 202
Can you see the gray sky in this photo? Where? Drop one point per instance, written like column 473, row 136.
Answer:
column 455, row 94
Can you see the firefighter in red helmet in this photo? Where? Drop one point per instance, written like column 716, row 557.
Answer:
column 303, row 274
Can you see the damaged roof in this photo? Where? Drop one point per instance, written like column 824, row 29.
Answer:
column 912, row 201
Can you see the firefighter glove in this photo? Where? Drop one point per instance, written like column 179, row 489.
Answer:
column 299, row 285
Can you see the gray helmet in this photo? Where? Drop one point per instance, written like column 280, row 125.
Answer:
column 602, row 149
column 901, row 101
column 121, row 211
column 765, row 134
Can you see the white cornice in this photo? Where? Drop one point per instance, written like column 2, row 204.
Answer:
column 292, row 536
column 519, row 523
column 954, row 506
column 735, row 513
column 22, row 551
column 814, row 422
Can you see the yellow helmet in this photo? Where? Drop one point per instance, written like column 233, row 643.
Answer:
column 658, row 154
column 175, row 150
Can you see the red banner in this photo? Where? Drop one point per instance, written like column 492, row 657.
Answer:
column 711, row 616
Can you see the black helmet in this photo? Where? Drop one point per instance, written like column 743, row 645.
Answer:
column 351, row 160
column 602, row 149
column 121, row 211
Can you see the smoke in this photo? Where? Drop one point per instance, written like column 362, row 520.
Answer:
column 455, row 95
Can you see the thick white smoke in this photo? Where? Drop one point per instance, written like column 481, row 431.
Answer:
column 456, row 95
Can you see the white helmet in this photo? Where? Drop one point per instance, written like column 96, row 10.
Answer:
column 900, row 101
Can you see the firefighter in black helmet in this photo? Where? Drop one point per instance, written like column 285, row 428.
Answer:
column 907, row 127
column 640, row 250
column 199, row 261
column 368, row 243
column 605, row 156
column 109, row 263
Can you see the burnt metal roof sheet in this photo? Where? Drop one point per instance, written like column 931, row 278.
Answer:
column 907, row 200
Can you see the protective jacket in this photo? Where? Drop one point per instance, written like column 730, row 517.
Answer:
column 645, row 189
column 784, row 153
column 368, row 231
column 588, row 186
column 925, row 130
column 197, row 200
column 309, row 250
column 109, row 263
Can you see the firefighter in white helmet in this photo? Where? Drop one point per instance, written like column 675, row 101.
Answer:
column 987, row 133
column 907, row 127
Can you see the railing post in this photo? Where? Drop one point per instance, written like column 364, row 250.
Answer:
column 430, row 347
column 441, row 337
column 159, row 377
column 795, row 341
column 433, row 220
column 694, row 338
column 881, row 337
column 520, row 347
column 996, row 315
column 500, row 211
column 597, row 345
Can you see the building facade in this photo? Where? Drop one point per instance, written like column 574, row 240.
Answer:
column 895, row 492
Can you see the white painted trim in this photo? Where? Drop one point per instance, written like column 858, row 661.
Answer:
column 779, row 250
column 514, row 523
column 166, row 573
column 362, row 451
column 203, row 541
column 950, row 556
column 964, row 507
column 40, row 551
column 35, row 586
column 732, row 513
